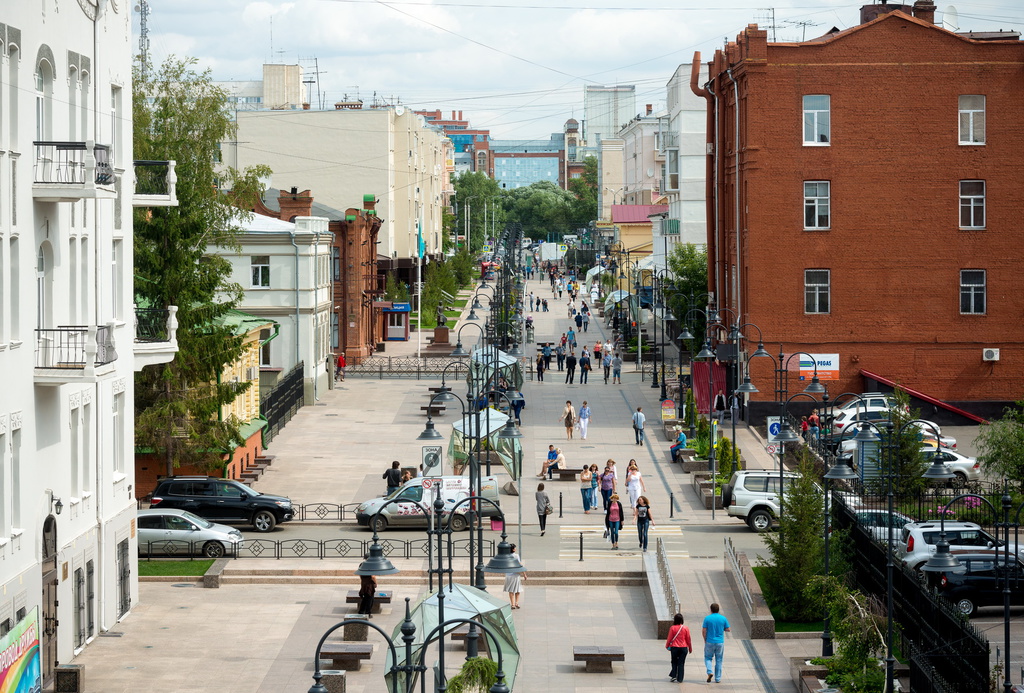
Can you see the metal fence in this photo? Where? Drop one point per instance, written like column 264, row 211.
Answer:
column 929, row 503
column 418, row 367
column 151, row 325
column 946, row 653
column 65, row 346
column 306, row 548
column 280, row 404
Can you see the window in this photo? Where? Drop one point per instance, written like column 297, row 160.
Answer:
column 119, row 428
column 335, row 330
column 264, row 348
column 972, row 120
column 816, row 290
column 260, row 271
column 972, row 204
column 972, row 292
column 336, row 261
column 817, row 120
column 816, row 205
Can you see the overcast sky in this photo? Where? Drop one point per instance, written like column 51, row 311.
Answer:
column 517, row 67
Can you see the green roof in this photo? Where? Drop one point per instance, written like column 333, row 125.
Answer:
column 242, row 323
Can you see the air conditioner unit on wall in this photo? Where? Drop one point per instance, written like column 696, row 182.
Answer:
column 990, row 354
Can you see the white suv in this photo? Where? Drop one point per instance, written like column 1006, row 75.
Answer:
column 920, row 539
column 753, row 495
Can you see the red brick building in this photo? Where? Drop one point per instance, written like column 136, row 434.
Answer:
column 875, row 177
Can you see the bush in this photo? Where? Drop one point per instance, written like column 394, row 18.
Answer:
column 856, row 626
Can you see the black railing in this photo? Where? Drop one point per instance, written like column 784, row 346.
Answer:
column 429, row 367
column 280, row 404
column 64, row 162
column 151, row 325
column 323, row 512
column 65, row 347
column 151, row 177
column 355, row 549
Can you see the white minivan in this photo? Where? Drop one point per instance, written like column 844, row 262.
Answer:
column 416, row 499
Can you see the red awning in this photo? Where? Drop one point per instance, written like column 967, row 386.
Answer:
column 922, row 396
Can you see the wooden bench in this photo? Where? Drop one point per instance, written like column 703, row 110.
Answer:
column 462, row 632
column 352, row 597
column 434, row 409
column 598, row 658
column 346, row 655
column 565, row 474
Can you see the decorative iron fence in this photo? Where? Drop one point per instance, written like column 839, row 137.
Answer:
column 418, row 367
column 152, row 177
column 280, row 404
column 947, row 654
column 305, row 548
column 64, row 162
column 151, row 325
column 65, row 347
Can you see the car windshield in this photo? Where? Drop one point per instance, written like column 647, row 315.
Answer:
column 205, row 524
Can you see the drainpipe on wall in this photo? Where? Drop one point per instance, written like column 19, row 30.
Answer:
column 739, row 191
column 295, row 245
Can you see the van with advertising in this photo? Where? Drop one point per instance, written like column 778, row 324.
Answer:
column 416, row 499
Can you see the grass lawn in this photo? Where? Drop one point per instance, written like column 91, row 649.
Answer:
column 174, row 568
column 786, row 626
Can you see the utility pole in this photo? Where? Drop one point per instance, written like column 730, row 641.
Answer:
column 143, row 9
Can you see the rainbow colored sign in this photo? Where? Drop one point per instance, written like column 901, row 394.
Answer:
column 19, row 657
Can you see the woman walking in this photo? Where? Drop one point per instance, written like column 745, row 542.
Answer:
column 634, row 482
column 607, row 485
column 613, row 519
column 568, row 419
column 540, row 367
column 514, row 582
column 543, row 507
column 678, row 643
column 643, row 518
column 584, row 418
column 594, row 479
column 586, row 477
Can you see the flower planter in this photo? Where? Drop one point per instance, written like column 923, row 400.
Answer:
column 695, row 465
column 706, row 494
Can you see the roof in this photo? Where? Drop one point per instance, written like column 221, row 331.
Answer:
column 635, row 214
column 262, row 224
column 271, row 200
column 243, row 323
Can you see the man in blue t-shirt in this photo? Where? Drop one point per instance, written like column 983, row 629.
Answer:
column 713, row 629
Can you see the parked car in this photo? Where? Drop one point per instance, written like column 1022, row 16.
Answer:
column 752, row 495
column 416, row 495
column 920, row 538
column 980, row 581
column 883, row 400
column 874, row 521
column 222, row 500
column 965, row 469
column 171, row 531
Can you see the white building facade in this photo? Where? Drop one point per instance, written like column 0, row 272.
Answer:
column 285, row 270
column 68, row 330
column 683, row 147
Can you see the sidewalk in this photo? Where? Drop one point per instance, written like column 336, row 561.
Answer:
column 336, row 451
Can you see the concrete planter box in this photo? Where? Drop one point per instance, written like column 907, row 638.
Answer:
column 695, row 465
column 706, row 495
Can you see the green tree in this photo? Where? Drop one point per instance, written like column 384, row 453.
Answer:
column 180, row 114
column 908, row 463
column 1001, row 444
column 439, row 280
column 395, row 290
column 583, row 209
column 462, row 267
column 796, row 552
column 541, row 208
column 688, row 263
column 475, row 195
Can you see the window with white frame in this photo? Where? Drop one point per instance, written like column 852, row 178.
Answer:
column 972, row 119
column 972, row 292
column 260, row 271
column 972, row 204
column 817, row 288
column 817, row 120
column 817, row 213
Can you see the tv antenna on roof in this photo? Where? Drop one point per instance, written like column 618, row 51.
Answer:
column 803, row 23
column 950, row 19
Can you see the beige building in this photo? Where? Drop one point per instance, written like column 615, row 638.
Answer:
column 341, row 154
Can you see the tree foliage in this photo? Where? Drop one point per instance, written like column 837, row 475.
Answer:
column 439, row 280
column 541, row 208
column 1001, row 444
column 180, row 114
column 475, row 195
column 688, row 263
column 796, row 552
column 584, row 188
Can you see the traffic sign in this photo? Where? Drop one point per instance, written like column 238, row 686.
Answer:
column 431, row 456
column 774, row 427
column 771, row 449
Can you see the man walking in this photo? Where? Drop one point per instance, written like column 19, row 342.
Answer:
column 638, row 425
column 616, row 369
column 570, row 368
column 714, row 629
column 584, row 367
column 719, row 406
column 586, row 321
column 393, row 476
column 607, row 363
column 560, row 353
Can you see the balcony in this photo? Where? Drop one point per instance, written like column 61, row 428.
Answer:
column 72, row 171
column 373, row 283
column 156, row 336
column 74, row 354
column 155, row 184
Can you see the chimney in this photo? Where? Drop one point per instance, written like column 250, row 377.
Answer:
column 369, row 202
column 295, row 204
column 460, row 115
column 650, row 109
column 925, row 11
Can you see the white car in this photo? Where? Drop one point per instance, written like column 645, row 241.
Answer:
column 965, row 468
column 171, row 531
column 874, row 521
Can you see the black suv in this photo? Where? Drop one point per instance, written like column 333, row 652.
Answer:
column 980, row 582
column 222, row 500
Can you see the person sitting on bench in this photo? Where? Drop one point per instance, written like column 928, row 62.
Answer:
column 552, row 464
column 679, row 445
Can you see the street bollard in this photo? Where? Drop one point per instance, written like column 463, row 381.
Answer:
column 671, row 505
column 559, row 505
column 581, row 546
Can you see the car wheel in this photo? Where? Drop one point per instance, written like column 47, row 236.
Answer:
column 213, row 549
column 966, row 606
column 378, row 523
column 922, row 576
column 959, row 480
column 760, row 520
column 263, row 521
column 459, row 522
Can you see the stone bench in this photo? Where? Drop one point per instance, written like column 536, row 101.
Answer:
column 346, row 655
column 434, row 409
column 352, row 597
column 598, row 658
column 565, row 474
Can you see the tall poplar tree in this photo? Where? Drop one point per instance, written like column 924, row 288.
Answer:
column 180, row 114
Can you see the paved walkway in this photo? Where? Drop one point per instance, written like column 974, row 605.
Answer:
column 260, row 637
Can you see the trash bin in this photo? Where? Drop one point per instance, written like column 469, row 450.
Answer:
column 497, row 524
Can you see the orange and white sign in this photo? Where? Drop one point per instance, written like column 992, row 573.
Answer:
column 827, row 366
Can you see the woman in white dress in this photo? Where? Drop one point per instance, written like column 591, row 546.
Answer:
column 514, row 582
column 634, row 483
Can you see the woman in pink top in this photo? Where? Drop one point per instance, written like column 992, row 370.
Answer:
column 613, row 519
column 678, row 643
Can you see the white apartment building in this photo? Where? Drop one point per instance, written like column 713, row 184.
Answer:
column 68, row 332
column 285, row 271
column 641, row 161
column 683, row 145
column 606, row 110
column 339, row 155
